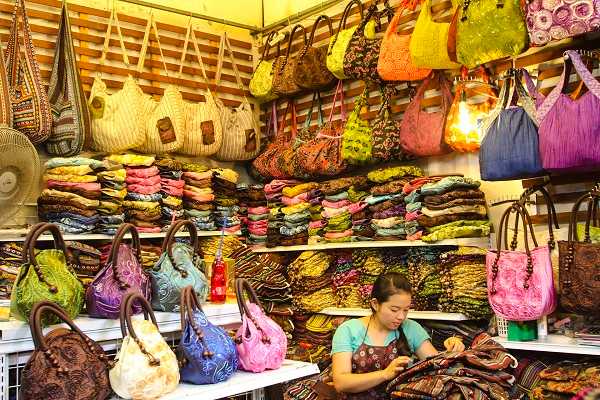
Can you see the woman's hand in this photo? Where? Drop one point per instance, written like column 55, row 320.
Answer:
column 396, row 366
column 454, row 344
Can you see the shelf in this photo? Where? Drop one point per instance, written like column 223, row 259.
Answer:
column 551, row 344
column 418, row 315
column 476, row 242
column 19, row 235
column 242, row 382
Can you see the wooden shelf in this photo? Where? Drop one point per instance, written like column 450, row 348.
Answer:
column 551, row 344
column 412, row 314
column 19, row 235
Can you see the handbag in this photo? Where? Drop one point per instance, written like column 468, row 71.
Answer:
column 164, row 124
column 241, row 133
column 395, row 63
column 283, row 68
column 28, row 97
column 117, row 122
column 122, row 273
column 357, row 144
column 66, row 364
column 569, row 130
column 520, row 284
column 260, row 341
column 421, row 132
column 202, row 132
column 208, row 354
column 386, row 133
column 45, row 275
column 310, row 71
column 261, row 82
column 488, row 30
column 145, row 367
column 510, row 148
column 578, row 266
column 71, row 125
column 179, row 266
column 429, row 41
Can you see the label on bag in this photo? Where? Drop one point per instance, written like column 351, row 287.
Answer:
column 208, row 132
column 166, row 130
column 250, row 140
column 97, row 107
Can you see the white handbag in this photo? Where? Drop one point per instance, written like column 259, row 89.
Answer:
column 145, row 367
column 241, row 134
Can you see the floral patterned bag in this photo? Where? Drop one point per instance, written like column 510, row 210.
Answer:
column 311, row 71
column 284, row 66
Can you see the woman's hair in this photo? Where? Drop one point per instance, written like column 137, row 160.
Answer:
column 389, row 284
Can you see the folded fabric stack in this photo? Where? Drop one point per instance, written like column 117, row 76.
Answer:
column 370, row 264
column 312, row 337
column 71, row 197
column 317, row 223
column 114, row 191
column 224, row 186
column 150, row 255
column 11, row 259
column 466, row 331
column 565, row 379
column 424, row 276
column 258, row 216
column 346, row 280
column 210, row 245
column 241, row 190
column 283, row 315
column 338, row 210
column 359, row 209
column 84, row 259
column 273, row 194
column 296, row 213
column 413, row 201
column 464, row 282
column 171, row 189
column 198, row 196
column 311, row 281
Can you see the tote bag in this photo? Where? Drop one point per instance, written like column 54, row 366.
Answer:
column 357, row 146
column 284, row 84
column 261, row 82
column 310, row 71
column 241, row 134
column 71, row 126
column 28, row 97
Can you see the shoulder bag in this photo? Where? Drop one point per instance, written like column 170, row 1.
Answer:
column 283, row 68
column 45, row 275
column 422, row 133
column 123, row 273
column 117, row 121
column 261, row 82
column 145, row 367
column 66, row 364
column 71, row 126
column 310, row 71
column 179, row 265
column 386, row 133
column 357, row 139
column 520, row 284
column 6, row 111
column 208, row 354
column 260, row 341
column 241, row 133
column 30, row 106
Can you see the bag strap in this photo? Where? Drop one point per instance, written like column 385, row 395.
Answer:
column 126, row 324
column 151, row 26
column 338, row 95
column 342, row 24
column 189, row 305
column 268, row 46
column 25, row 248
column 290, row 108
column 225, row 43
column 167, row 246
column 296, row 28
column 59, row 244
column 113, row 19
column 590, row 197
column 114, row 251
column 272, row 121
column 13, row 45
column 552, row 215
column 241, row 286
column 191, row 34
column 311, row 38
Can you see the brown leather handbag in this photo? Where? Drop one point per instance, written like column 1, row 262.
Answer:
column 283, row 68
column 66, row 364
column 311, row 66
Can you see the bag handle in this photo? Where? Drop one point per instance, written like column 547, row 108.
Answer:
column 167, row 246
column 315, row 100
column 225, row 43
column 126, row 324
column 296, row 28
column 444, row 89
column 189, row 304
column 12, row 53
column 342, row 24
column 114, row 19
column 241, row 286
column 59, row 244
column 552, row 215
column 290, row 108
column 191, row 34
column 311, row 38
column 339, row 91
column 114, row 251
column 151, row 26
column 25, row 248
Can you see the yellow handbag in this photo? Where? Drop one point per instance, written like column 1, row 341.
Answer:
column 429, row 42
column 261, row 83
column 116, row 118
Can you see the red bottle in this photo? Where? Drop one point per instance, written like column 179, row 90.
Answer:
column 218, row 280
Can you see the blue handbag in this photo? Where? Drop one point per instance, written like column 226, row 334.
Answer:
column 510, row 148
column 178, row 266
column 207, row 353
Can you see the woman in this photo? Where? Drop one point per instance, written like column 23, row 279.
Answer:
column 370, row 351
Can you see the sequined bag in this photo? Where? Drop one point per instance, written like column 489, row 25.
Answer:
column 310, row 71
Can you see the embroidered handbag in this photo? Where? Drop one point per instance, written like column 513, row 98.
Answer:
column 578, row 265
column 164, row 124
column 179, row 265
column 66, row 364
column 394, row 62
column 310, row 70
column 122, row 273
column 202, row 133
column 520, row 284
column 117, row 122
column 422, row 133
column 283, row 68
column 45, row 275
column 241, row 133
column 31, row 110
column 488, row 30
column 208, row 354
column 260, row 341
column 386, row 133
column 510, row 148
column 429, row 42
column 71, row 126
column 261, row 82
column 356, row 138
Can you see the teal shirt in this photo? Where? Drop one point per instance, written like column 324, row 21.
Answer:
column 349, row 336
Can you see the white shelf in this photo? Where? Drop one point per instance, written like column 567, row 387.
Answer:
column 419, row 315
column 242, row 382
column 476, row 242
column 551, row 344
column 19, row 235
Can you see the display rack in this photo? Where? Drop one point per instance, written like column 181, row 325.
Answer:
column 551, row 344
column 413, row 314
column 19, row 235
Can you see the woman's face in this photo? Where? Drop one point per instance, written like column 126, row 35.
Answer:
column 393, row 312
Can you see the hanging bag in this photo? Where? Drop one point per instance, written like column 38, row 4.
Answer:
column 260, row 341
column 208, row 354
column 357, row 138
column 275, row 164
column 284, row 66
column 6, row 111
column 261, row 82
column 71, row 125
column 310, row 71
column 241, row 134
column 30, row 106
column 66, row 361
column 123, row 273
column 422, row 133
column 386, row 133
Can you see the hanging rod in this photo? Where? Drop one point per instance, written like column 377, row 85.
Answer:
column 299, row 16
column 251, row 28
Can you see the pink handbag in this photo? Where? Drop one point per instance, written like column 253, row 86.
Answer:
column 520, row 284
column 260, row 341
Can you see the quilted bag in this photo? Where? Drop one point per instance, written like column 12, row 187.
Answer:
column 261, row 82
column 310, row 71
column 386, row 133
column 357, row 136
column 284, row 66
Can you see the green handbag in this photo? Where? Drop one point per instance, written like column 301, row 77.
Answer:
column 356, row 140
column 261, row 83
column 45, row 275
column 488, row 30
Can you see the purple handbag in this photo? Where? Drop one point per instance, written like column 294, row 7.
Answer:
column 123, row 273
